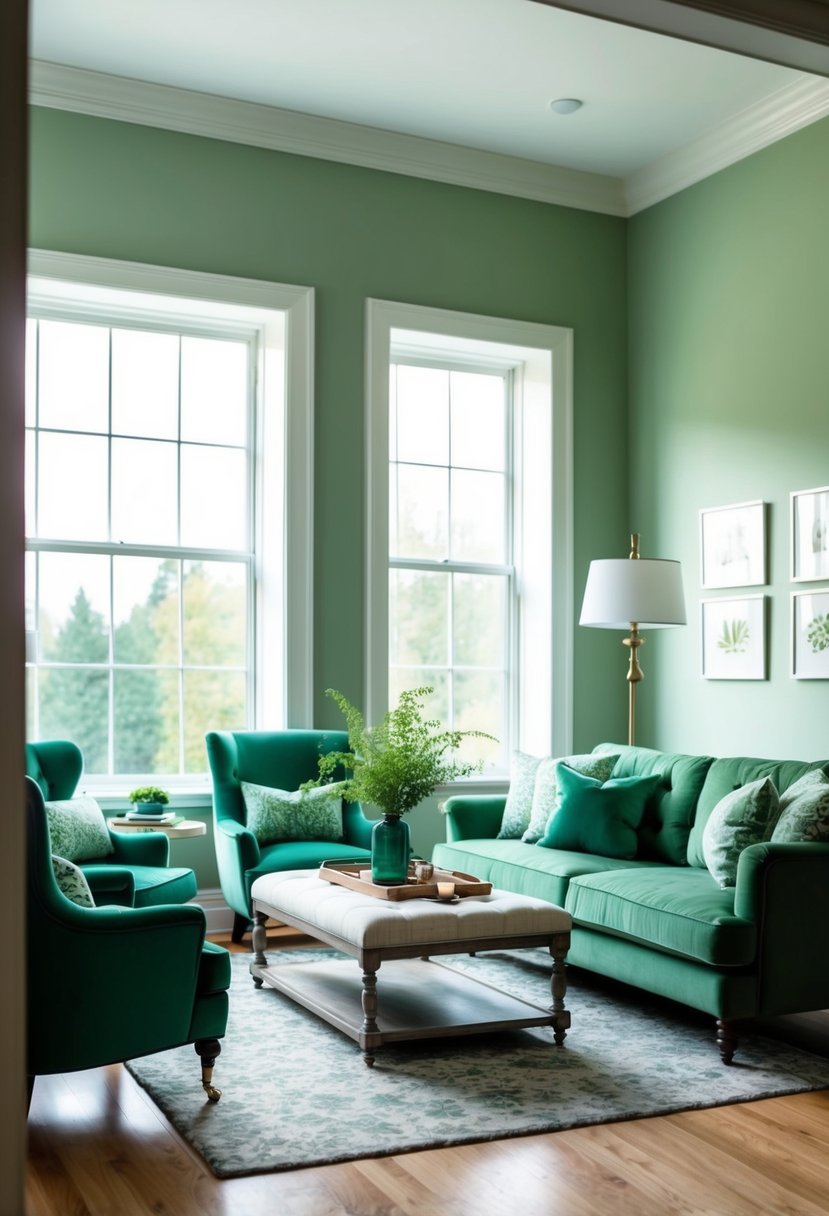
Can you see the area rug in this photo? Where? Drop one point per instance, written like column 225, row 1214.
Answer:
column 297, row 1093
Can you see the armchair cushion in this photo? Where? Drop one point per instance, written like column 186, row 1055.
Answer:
column 274, row 815
column 72, row 882
column 77, row 829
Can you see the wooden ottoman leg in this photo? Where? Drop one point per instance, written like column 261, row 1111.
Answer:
column 369, row 1028
column 259, row 942
column 558, row 986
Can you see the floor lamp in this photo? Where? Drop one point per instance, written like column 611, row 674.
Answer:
column 632, row 594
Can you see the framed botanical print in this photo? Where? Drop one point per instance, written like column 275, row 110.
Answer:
column 733, row 545
column 810, row 635
column 810, row 534
column 734, row 638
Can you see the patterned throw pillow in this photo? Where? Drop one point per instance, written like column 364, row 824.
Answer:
column 519, row 801
column 72, row 882
column 274, row 815
column 545, row 794
column 743, row 817
column 804, row 809
column 598, row 817
column 78, row 830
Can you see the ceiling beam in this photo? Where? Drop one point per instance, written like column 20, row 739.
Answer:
column 794, row 33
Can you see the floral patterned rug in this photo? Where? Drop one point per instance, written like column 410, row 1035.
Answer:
column 297, row 1093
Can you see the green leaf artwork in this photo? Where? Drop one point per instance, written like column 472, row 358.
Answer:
column 735, row 637
column 817, row 633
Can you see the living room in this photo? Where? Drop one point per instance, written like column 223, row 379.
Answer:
column 697, row 367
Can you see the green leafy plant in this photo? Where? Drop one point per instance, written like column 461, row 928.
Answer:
column 149, row 793
column 399, row 762
column 735, row 637
column 818, row 633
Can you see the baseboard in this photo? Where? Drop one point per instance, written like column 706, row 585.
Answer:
column 219, row 915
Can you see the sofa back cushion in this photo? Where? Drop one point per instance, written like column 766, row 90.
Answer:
column 731, row 773
column 666, row 826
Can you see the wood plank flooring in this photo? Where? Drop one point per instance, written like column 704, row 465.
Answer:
column 100, row 1147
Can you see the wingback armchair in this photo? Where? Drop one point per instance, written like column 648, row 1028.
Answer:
column 281, row 760
column 136, row 870
column 107, row 984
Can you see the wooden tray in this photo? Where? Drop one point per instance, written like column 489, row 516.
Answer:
column 349, row 874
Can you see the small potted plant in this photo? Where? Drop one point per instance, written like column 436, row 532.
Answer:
column 149, row 800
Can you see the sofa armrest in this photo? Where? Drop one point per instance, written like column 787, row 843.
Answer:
column 784, row 889
column 110, row 884
column 474, row 817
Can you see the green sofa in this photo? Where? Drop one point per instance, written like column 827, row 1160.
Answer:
column 660, row 921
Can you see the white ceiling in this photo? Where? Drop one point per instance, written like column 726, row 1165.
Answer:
column 476, row 73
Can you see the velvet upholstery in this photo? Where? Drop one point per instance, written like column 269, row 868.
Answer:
column 136, row 873
column 282, row 760
column 661, row 921
column 107, row 984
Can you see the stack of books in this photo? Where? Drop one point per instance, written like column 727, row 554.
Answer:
column 140, row 817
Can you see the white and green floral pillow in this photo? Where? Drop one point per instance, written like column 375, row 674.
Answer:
column 743, row 817
column 804, row 809
column 274, row 815
column 78, row 830
column 545, row 795
column 518, row 806
column 72, row 882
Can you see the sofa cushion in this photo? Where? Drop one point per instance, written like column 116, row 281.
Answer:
column 545, row 793
column 518, row 805
column 676, row 909
column 77, row 829
column 666, row 824
column 272, row 814
column 743, row 817
column 804, row 809
column 72, row 883
column 732, row 772
column 596, row 817
column 523, row 868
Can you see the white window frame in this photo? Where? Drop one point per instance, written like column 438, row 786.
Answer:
column 541, row 360
column 283, row 446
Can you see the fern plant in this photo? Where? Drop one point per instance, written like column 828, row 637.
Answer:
column 735, row 637
column 399, row 762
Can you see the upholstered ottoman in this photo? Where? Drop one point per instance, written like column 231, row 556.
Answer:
column 420, row 998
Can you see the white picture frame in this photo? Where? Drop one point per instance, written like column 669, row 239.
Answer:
column 734, row 638
column 733, row 545
column 810, row 635
column 810, row 534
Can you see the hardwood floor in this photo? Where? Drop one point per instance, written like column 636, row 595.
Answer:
column 100, row 1147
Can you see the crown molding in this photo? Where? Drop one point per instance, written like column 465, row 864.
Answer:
column 104, row 96
column 795, row 106
column 173, row 109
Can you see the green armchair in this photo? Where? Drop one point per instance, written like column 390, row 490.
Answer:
column 136, row 872
column 108, row 984
column 282, row 760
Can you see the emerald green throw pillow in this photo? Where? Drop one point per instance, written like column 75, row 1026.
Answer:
column 545, row 793
column 274, row 815
column 804, row 809
column 78, row 830
column 598, row 817
column 72, row 882
column 517, row 808
column 743, row 817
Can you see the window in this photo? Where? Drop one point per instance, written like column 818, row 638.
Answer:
column 155, row 425
column 469, row 523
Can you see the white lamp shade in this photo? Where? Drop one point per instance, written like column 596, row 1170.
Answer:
column 625, row 591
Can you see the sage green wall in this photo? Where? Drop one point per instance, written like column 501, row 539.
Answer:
column 123, row 191
column 729, row 357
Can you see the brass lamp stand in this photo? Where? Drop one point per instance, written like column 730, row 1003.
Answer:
column 631, row 594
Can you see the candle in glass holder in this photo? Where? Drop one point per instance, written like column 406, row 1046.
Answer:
column 446, row 890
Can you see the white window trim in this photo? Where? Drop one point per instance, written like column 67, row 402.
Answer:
column 284, row 315
column 542, row 356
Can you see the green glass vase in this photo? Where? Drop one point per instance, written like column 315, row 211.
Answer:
column 390, row 849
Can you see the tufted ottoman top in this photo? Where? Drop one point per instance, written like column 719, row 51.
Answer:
column 369, row 923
